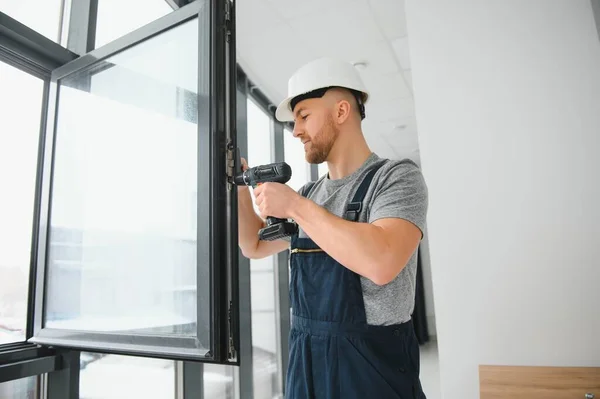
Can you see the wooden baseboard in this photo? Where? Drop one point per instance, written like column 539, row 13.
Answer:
column 523, row 382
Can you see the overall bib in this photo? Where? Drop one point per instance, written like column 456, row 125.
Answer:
column 334, row 353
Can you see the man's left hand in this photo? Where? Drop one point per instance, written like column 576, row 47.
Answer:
column 276, row 200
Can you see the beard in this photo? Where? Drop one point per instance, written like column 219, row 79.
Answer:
column 321, row 144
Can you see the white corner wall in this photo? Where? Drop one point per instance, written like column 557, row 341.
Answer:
column 507, row 97
column 427, row 286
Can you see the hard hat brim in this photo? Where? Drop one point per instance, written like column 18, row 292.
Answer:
column 283, row 112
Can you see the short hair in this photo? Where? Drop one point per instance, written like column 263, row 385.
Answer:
column 318, row 93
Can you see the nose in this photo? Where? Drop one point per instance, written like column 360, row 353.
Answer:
column 296, row 130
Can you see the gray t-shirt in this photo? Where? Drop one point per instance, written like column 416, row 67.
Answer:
column 398, row 190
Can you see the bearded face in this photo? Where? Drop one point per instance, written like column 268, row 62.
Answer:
column 319, row 121
column 318, row 148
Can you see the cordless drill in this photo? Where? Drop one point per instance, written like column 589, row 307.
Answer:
column 279, row 172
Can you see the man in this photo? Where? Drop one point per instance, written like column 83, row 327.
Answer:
column 353, row 262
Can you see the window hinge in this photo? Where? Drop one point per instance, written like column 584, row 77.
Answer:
column 229, row 163
column 227, row 21
column 227, row 10
column 232, row 352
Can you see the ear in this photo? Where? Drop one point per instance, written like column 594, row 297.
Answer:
column 343, row 110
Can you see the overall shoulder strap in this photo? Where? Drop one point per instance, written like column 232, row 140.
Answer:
column 354, row 207
column 307, row 188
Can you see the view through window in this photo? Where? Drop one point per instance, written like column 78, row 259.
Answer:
column 125, row 377
column 24, row 388
column 43, row 16
column 117, row 18
column 21, row 105
column 122, row 253
column 294, row 156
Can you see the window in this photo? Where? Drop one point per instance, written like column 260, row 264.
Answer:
column 126, row 267
column 117, row 17
column 122, row 253
column 24, row 388
column 262, row 276
column 260, row 132
column 43, row 16
column 123, row 377
column 21, row 105
column 294, row 156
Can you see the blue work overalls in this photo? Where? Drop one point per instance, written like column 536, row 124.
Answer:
column 334, row 353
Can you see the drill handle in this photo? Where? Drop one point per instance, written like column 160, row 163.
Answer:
column 273, row 220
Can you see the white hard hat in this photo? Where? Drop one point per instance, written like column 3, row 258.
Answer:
column 320, row 74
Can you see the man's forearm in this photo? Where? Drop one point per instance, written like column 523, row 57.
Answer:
column 361, row 247
column 248, row 222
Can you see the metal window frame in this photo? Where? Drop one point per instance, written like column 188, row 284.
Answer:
column 28, row 50
column 596, row 12
column 190, row 380
column 282, row 283
column 246, row 373
column 64, row 382
column 23, row 360
column 83, row 16
column 59, row 370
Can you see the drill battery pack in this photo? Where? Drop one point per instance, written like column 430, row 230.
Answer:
column 277, row 230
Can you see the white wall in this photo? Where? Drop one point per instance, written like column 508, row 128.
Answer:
column 507, row 100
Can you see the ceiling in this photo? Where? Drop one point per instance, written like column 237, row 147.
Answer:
column 276, row 37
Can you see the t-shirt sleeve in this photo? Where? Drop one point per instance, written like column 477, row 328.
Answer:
column 401, row 192
column 299, row 191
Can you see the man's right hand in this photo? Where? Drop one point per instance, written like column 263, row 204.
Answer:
column 244, row 164
column 244, row 167
column 249, row 223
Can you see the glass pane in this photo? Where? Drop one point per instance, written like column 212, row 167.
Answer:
column 21, row 104
column 125, row 377
column 219, row 381
column 264, row 328
column 262, row 280
column 25, row 388
column 123, row 236
column 259, row 137
column 43, row 16
column 117, row 17
column 294, row 156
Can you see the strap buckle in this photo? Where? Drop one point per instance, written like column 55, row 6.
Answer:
column 353, row 210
